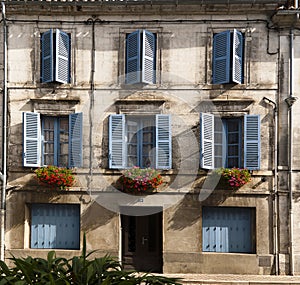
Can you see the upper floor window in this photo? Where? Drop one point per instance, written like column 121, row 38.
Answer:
column 140, row 141
column 141, row 57
column 55, row 56
column 52, row 140
column 230, row 142
column 228, row 62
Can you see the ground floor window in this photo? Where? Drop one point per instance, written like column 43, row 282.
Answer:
column 55, row 226
column 228, row 229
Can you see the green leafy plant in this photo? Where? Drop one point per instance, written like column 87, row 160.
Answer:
column 57, row 177
column 234, row 177
column 79, row 270
column 138, row 179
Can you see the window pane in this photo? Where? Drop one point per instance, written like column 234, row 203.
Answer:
column 48, row 134
column 63, row 141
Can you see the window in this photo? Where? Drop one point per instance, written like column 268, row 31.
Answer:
column 230, row 142
column 52, row 140
column 55, row 57
column 228, row 59
column 228, row 230
column 141, row 57
column 55, row 226
column 140, row 141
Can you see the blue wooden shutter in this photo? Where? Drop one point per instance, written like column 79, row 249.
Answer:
column 148, row 58
column 206, row 141
column 47, row 57
column 221, row 58
column 163, row 142
column 117, row 141
column 62, row 62
column 227, row 230
column 75, row 140
column 31, row 139
column 55, row 226
column 237, row 64
column 133, row 58
column 252, row 142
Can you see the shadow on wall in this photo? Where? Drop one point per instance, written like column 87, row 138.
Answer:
column 95, row 216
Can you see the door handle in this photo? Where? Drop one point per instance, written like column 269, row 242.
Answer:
column 144, row 240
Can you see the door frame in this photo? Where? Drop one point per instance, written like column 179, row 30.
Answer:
column 149, row 210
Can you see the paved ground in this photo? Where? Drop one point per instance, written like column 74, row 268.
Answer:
column 228, row 279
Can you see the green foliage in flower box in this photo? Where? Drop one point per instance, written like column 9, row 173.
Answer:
column 234, row 178
column 61, row 178
column 137, row 179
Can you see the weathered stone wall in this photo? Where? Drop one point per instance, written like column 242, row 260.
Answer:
column 184, row 89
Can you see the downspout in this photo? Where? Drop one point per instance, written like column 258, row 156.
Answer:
column 290, row 101
column 275, row 187
column 4, row 134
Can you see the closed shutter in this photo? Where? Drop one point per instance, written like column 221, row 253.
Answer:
column 221, row 58
column 47, row 57
column 148, row 58
column 133, row 58
column 75, row 140
column 163, row 142
column 55, row 226
column 62, row 62
column 237, row 64
column 227, row 230
column 252, row 142
column 117, row 141
column 31, row 139
column 206, row 141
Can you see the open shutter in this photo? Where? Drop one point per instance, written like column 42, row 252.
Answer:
column 237, row 65
column 62, row 62
column 252, row 142
column 75, row 140
column 31, row 139
column 47, row 57
column 163, row 142
column 207, row 141
column 133, row 58
column 221, row 58
column 117, row 141
column 148, row 58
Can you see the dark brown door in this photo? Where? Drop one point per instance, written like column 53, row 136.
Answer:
column 142, row 242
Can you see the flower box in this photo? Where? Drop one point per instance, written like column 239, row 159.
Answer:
column 60, row 178
column 140, row 180
column 232, row 178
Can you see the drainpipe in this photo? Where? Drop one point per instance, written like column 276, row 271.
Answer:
column 275, row 189
column 290, row 102
column 4, row 138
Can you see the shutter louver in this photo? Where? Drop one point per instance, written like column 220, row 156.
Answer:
column 117, row 141
column 62, row 62
column 47, row 57
column 31, row 139
column 237, row 65
column 207, row 141
column 252, row 142
column 133, row 58
column 163, row 142
column 75, row 140
column 221, row 58
column 148, row 58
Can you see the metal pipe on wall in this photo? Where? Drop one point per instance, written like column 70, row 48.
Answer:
column 4, row 138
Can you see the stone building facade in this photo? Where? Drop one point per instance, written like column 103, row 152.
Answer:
column 181, row 86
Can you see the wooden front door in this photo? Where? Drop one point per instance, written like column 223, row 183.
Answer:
column 142, row 242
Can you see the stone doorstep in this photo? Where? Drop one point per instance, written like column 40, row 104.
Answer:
column 226, row 279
